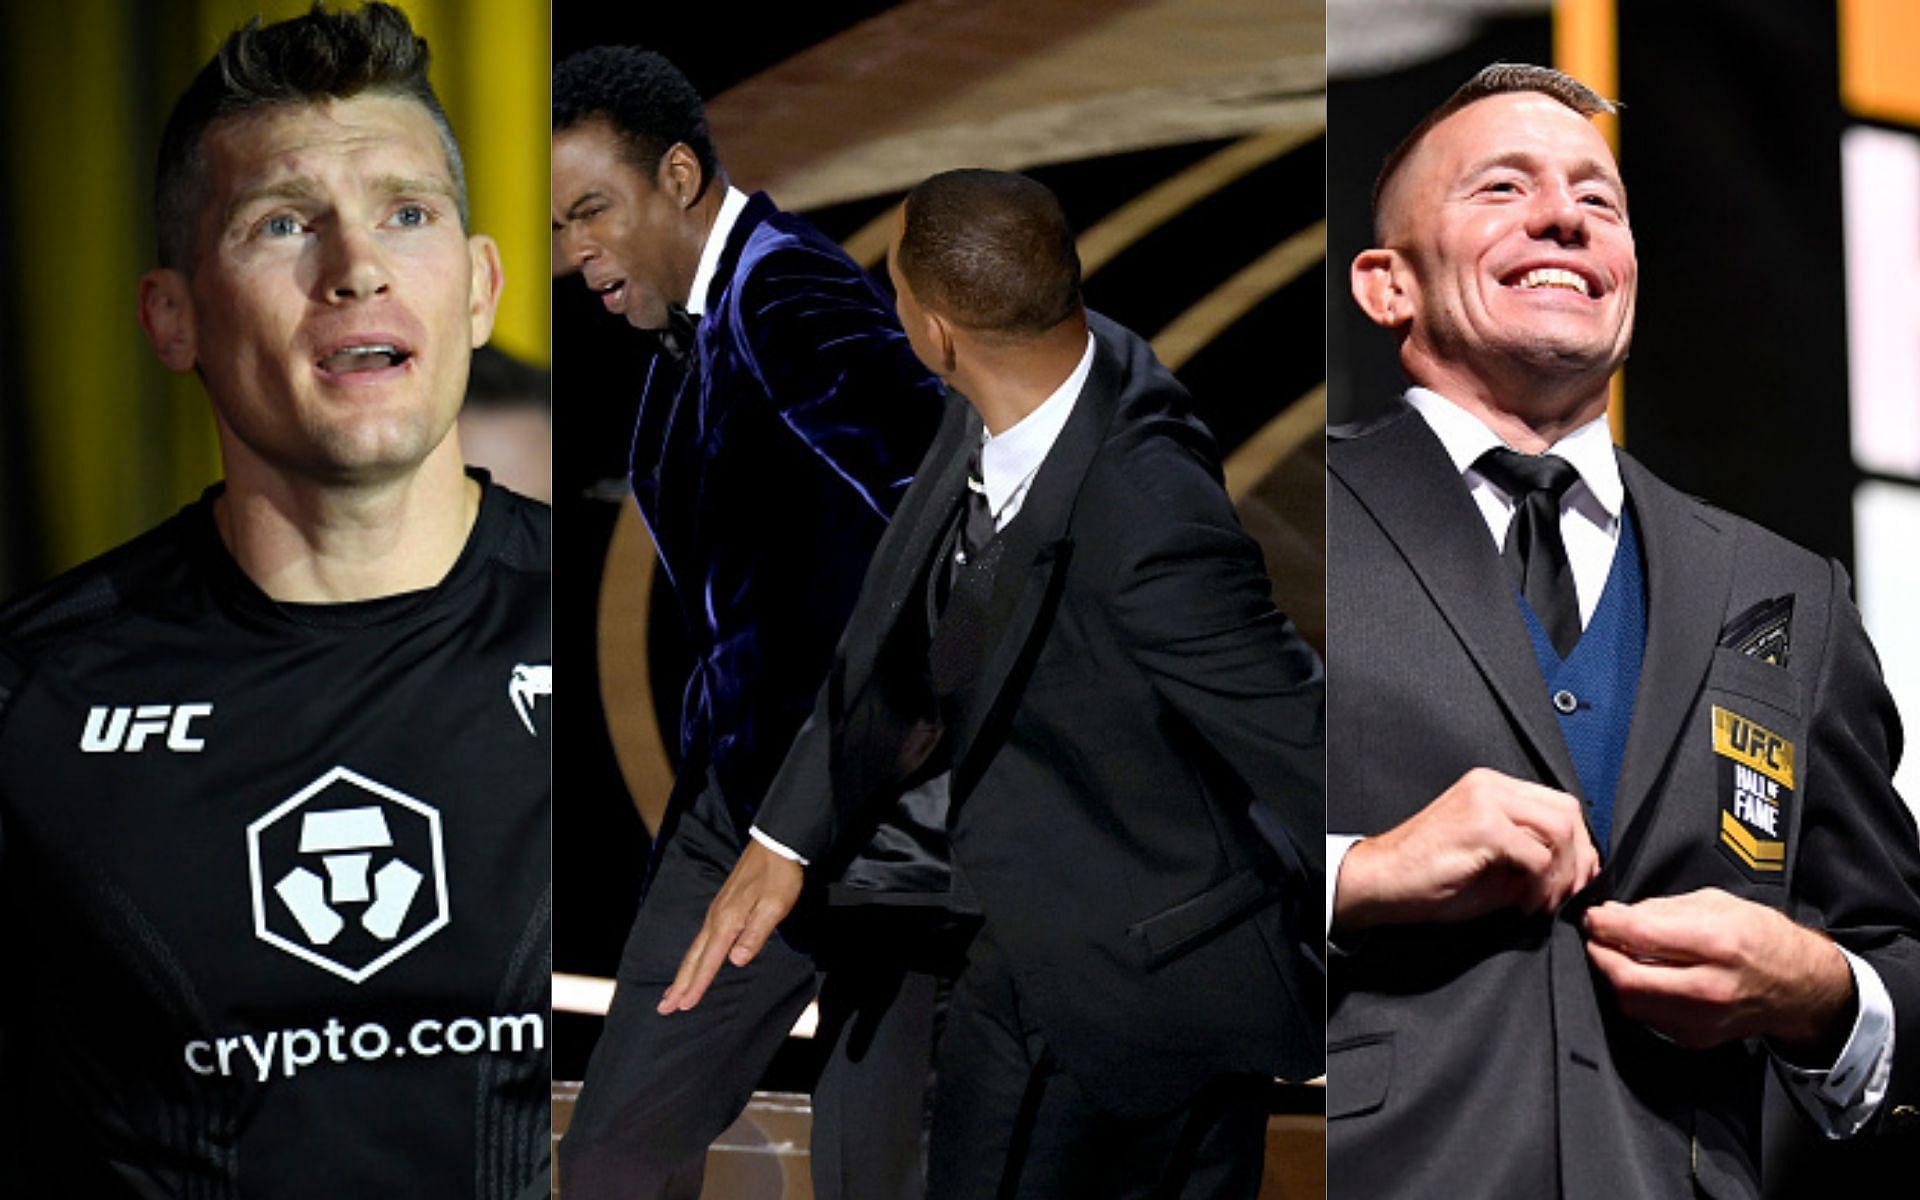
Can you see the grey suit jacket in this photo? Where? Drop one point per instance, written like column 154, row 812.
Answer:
column 1485, row 1058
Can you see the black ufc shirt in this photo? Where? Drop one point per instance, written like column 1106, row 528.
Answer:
column 274, row 878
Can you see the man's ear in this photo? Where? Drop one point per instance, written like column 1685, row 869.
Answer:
column 680, row 175
column 166, row 314
column 483, row 297
column 939, row 339
column 1375, row 278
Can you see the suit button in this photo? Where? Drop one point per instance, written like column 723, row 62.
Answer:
column 1566, row 701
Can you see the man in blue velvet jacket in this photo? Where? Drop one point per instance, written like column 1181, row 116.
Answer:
column 781, row 422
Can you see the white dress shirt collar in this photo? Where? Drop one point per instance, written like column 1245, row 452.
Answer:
column 1594, row 503
column 1589, row 448
column 731, row 206
column 1009, row 460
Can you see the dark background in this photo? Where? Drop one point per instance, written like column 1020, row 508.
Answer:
column 1736, row 389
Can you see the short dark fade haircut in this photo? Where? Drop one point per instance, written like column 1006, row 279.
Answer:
column 646, row 100
column 1497, row 79
column 306, row 60
column 992, row 251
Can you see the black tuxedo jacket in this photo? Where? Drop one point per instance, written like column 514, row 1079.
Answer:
column 1140, row 714
column 1485, row 1059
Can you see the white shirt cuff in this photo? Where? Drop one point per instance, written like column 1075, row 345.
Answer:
column 1337, row 846
column 1840, row 1100
column 776, row 847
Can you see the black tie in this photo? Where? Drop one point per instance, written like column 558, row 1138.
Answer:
column 976, row 523
column 1536, row 556
column 963, row 591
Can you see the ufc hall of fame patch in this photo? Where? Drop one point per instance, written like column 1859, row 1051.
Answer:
column 1755, row 792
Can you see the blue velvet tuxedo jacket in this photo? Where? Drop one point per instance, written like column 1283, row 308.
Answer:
column 766, row 474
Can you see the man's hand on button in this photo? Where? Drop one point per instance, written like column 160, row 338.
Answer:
column 1709, row 967
column 1489, row 842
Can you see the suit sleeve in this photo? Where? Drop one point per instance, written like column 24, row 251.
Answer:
column 1859, row 852
column 799, row 811
column 802, row 809
column 831, row 355
column 1193, row 606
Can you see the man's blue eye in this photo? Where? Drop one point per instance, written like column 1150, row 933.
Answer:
column 410, row 215
column 281, row 226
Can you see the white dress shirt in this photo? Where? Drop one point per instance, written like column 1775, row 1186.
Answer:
column 1008, row 464
column 1839, row 1100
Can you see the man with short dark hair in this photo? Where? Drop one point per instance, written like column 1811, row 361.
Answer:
column 1066, row 622
column 274, row 775
column 1622, row 762
column 779, row 425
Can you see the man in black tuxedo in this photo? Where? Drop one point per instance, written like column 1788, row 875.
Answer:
column 777, row 430
column 1066, row 620
column 1622, row 769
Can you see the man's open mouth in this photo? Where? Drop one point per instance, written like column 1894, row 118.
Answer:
column 364, row 358
column 611, row 292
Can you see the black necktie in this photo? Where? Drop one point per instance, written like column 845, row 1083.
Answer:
column 976, row 523
column 1535, row 555
column 962, row 591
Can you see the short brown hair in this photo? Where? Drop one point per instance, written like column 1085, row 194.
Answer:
column 307, row 60
column 1497, row 79
column 992, row 251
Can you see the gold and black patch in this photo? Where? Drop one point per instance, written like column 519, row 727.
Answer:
column 1756, row 793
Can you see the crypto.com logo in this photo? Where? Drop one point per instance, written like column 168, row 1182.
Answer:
column 348, row 874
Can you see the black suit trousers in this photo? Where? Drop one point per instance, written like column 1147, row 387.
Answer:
column 659, row 1090
column 1009, row 1124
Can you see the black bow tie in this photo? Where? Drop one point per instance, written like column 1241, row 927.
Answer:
column 676, row 340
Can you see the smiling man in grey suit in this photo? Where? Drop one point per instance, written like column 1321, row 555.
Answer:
column 1067, row 620
column 1621, row 761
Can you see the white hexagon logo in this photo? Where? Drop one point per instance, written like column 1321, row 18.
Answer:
column 348, row 874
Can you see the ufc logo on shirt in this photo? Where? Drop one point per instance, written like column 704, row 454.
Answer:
column 121, row 728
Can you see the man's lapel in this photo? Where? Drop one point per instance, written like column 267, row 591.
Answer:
column 1032, row 570
column 1402, row 476
column 666, row 483
column 911, row 539
column 759, row 208
column 1689, row 563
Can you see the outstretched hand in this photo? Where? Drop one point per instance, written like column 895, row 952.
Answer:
column 1487, row 843
column 757, row 896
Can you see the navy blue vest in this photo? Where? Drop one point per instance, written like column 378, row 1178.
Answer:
column 1592, row 690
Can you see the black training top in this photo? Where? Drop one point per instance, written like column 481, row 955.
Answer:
column 274, row 878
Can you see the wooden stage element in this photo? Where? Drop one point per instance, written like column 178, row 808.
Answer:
column 764, row 1155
